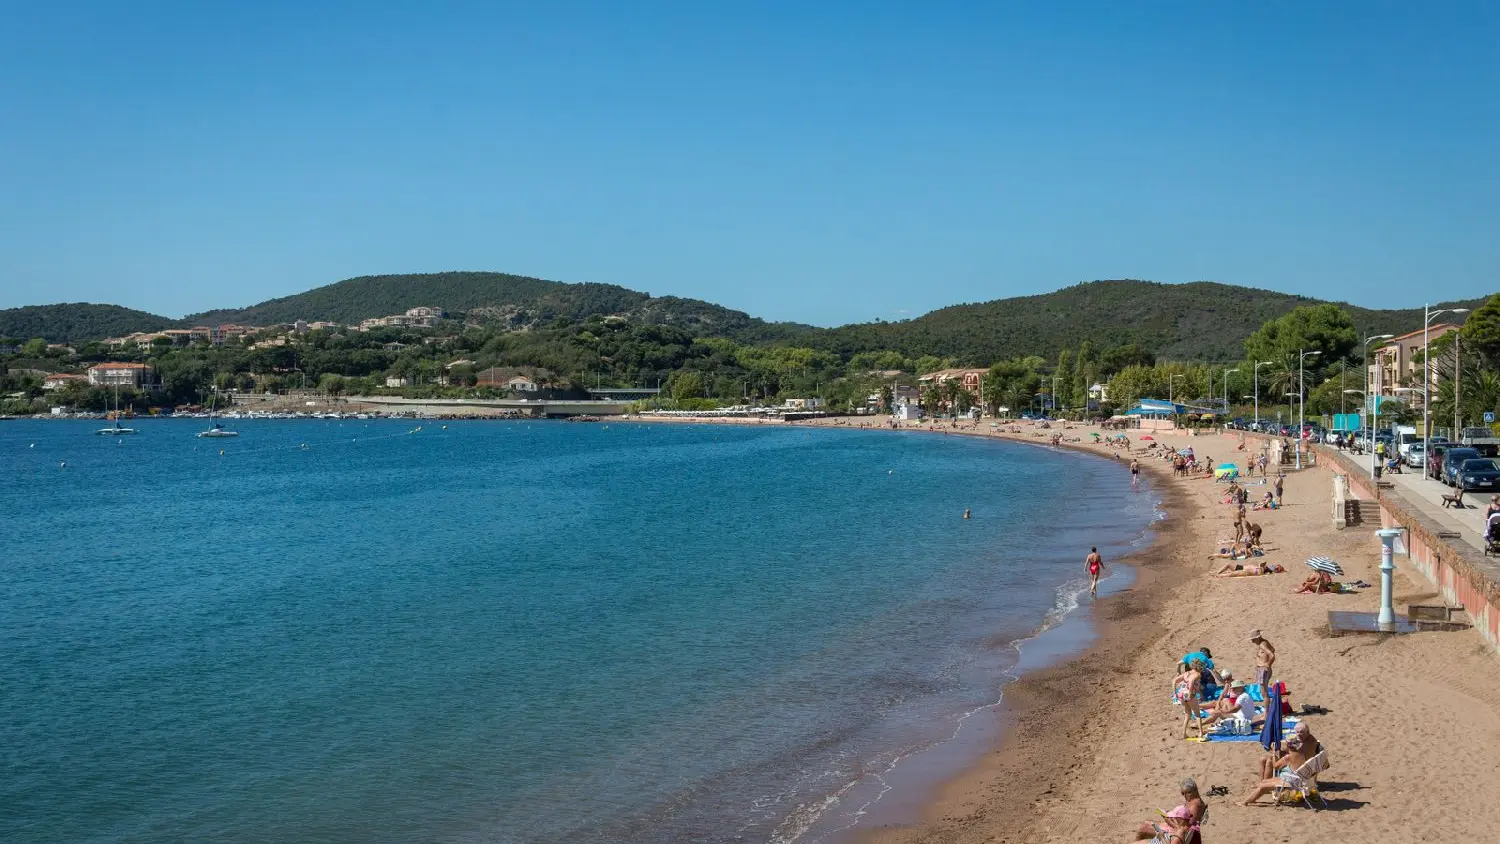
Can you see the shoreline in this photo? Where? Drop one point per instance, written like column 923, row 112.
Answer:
column 1040, row 707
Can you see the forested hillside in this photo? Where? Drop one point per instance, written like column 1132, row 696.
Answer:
column 1196, row 321
column 76, row 322
column 500, row 298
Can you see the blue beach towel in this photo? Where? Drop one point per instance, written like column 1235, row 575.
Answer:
column 1287, row 725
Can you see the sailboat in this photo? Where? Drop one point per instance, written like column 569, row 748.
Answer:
column 118, row 429
column 216, row 430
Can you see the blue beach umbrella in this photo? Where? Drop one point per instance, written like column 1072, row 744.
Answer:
column 1270, row 734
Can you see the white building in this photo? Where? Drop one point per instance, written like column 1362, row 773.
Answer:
column 908, row 412
column 119, row 374
column 59, row 380
column 522, row 384
column 398, row 381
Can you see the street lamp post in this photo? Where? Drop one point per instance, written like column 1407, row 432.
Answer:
column 1170, row 383
column 1302, row 402
column 1226, row 389
column 1256, row 389
column 1372, row 400
column 1427, row 316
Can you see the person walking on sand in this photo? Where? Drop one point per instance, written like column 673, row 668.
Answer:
column 1095, row 565
column 1265, row 660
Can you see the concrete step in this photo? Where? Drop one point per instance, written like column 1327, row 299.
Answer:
column 1361, row 512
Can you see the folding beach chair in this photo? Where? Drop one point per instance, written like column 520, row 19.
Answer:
column 1301, row 785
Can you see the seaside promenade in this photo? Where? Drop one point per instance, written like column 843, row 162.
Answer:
column 1093, row 747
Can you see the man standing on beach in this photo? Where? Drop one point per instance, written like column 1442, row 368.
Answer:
column 1095, row 565
column 1265, row 659
column 1280, row 477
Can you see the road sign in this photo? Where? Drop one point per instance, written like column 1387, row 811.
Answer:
column 1489, row 417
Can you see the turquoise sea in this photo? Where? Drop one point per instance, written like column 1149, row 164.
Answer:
column 349, row 631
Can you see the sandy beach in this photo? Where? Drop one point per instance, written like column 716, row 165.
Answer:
column 1092, row 747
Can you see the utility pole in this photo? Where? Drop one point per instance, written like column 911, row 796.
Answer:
column 1458, row 430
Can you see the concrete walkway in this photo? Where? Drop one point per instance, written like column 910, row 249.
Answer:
column 1425, row 495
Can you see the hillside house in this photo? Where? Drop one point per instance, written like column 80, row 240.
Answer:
column 59, row 380
column 119, row 375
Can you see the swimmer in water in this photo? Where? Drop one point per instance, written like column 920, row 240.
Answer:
column 966, row 514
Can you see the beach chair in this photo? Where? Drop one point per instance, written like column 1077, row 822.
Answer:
column 1455, row 500
column 1301, row 785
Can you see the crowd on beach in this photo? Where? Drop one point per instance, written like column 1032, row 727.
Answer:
column 1214, row 703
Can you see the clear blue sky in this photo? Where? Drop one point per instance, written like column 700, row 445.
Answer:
column 821, row 162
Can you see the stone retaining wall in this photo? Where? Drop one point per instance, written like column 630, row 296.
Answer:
column 1463, row 575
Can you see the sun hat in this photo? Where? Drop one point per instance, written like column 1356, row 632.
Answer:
column 1237, row 684
column 1255, row 634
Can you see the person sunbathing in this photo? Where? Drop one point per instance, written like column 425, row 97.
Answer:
column 1239, row 570
column 1295, row 757
column 1268, row 502
column 1309, row 749
column 1316, row 584
column 1179, row 828
column 1191, row 800
column 1240, row 550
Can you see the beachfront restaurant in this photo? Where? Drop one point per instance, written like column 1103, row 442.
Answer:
column 1159, row 414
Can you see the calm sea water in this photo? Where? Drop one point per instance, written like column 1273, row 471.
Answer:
column 508, row 631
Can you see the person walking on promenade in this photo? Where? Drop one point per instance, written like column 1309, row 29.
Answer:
column 1265, row 661
column 1095, row 565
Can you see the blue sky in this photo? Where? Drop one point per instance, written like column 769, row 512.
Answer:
column 826, row 162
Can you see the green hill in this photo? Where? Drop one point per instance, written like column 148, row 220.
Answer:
column 1197, row 321
column 76, row 322
column 515, row 300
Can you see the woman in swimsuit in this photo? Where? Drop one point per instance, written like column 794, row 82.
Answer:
column 1095, row 565
column 1189, row 692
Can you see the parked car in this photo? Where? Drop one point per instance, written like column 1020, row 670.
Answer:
column 1479, row 474
column 1453, row 460
column 1435, row 460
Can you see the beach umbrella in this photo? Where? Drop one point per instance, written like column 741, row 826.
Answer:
column 1270, row 734
column 1325, row 564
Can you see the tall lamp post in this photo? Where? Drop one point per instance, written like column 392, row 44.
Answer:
column 1226, row 389
column 1256, row 389
column 1372, row 400
column 1427, row 316
column 1302, row 402
column 1170, row 383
